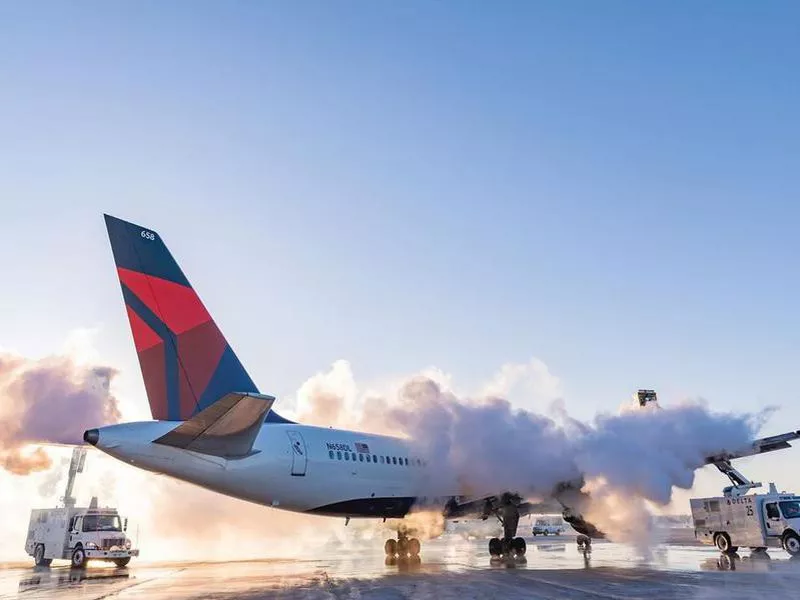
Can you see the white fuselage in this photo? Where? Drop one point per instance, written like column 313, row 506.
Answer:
column 293, row 467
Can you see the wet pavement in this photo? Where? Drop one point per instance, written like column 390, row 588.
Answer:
column 451, row 567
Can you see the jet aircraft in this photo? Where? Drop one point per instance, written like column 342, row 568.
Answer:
column 212, row 426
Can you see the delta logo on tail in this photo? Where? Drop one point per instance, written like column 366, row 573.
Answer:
column 187, row 364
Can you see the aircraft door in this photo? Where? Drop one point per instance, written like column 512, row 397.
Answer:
column 299, row 454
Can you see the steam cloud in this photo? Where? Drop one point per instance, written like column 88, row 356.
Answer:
column 54, row 400
column 475, row 445
column 485, row 445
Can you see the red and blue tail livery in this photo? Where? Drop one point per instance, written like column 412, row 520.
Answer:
column 187, row 364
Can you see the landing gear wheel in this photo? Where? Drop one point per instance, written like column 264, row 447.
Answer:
column 122, row 562
column 38, row 557
column 791, row 543
column 495, row 547
column 402, row 547
column 413, row 547
column 519, row 546
column 78, row 558
column 390, row 547
column 507, row 545
column 723, row 543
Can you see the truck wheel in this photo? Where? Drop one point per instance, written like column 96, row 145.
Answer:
column 791, row 543
column 723, row 543
column 78, row 558
column 122, row 562
column 38, row 557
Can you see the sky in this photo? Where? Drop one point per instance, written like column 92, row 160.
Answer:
column 610, row 188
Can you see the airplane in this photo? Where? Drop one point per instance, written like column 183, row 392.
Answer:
column 212, row 427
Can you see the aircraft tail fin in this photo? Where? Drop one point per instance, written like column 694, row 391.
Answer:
column 187, row 364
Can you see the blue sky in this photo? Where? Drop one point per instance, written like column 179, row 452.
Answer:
column 611, row 187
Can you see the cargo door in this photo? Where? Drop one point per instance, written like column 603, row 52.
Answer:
column 299, row 454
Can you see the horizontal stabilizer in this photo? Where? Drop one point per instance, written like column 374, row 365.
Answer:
column 767, row 444
column 226, row 429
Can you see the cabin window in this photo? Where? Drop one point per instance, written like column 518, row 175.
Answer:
column 339, row 455
column 405, row 461
column 388, row 460
column 330, row 454
column 772, row 511
column 394, row 460
column 381, row 460
column 360, row 458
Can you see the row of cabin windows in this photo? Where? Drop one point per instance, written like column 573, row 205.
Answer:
column 375, row 458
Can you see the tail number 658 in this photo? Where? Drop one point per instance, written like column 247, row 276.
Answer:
column 148, row 235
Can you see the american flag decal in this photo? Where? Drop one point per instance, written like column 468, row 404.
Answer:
column 362, row 447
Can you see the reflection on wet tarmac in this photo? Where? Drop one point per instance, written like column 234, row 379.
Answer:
column 450, row 567
column 47, row 577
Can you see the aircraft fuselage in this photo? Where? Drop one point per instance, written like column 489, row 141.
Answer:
column 293, row 467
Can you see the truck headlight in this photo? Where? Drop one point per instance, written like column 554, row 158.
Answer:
column 127, row 544
column 91, row 546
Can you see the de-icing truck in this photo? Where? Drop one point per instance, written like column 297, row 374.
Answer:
column 756, row 521
column 78, row 534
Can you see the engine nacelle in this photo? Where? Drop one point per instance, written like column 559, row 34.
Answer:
column 581, row 525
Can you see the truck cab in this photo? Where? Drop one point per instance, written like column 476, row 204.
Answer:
column 781, row 518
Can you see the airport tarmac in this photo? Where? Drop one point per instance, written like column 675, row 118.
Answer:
column 451, row 567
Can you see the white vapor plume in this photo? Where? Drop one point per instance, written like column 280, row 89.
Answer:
column 485, row 445
column 52, row 399
column 481, row 444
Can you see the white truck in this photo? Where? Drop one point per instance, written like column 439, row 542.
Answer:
column 545, row 527
column 78, row 534
column 757, row 521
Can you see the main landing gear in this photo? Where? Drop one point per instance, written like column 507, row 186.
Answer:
column 403, row 547
column 507, row 513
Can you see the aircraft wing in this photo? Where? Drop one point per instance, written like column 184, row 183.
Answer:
column 226, row 429
column 483, row 506
column 470, row 508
